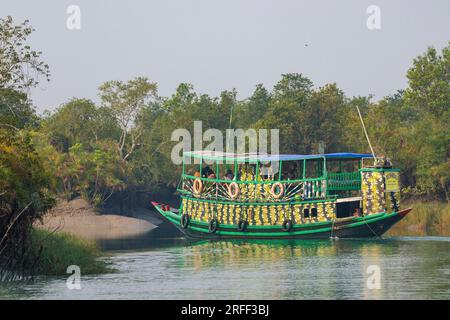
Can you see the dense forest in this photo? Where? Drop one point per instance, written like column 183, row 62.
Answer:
column 120, row 147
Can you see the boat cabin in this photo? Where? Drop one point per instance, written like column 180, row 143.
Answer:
column 321, row 186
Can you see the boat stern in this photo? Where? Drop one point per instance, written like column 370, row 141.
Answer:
column 168, row 213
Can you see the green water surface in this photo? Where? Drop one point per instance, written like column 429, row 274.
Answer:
column 409, row 268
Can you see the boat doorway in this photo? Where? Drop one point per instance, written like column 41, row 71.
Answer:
column 347, row 207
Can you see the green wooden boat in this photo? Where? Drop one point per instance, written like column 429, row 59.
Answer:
column 343, row 195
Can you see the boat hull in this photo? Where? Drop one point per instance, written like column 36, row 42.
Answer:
column 354, row 227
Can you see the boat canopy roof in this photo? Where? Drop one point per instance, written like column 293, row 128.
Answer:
column 255, row 157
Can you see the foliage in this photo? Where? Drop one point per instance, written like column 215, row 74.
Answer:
column 125, row 101
column 410, row 127
column 429, row 82
column 121, row 148
column 428, row 218
column 16, row 110
column 79, row 121
column 429, row 95
column 24, row 183
column 20, row 66
column 252, row 108
column 60, row 250
column 24, row 197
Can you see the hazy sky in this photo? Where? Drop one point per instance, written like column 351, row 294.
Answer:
column 218, row 45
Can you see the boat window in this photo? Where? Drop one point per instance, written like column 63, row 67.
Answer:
column 314, row 213
column 346, row 207
column 225, row 171
column 246, row 172
column 306, row 213
column 208, row 171
column 342, row 165
column 192, row 169
column 313, row 168
column 266, row 171
column 334, row 165
column 351, row 166
column 291, row 170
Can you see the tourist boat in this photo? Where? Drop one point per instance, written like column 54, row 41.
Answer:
column 342, row 195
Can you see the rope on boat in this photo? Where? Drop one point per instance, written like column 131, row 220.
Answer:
column 374, row 233
column 332, row 228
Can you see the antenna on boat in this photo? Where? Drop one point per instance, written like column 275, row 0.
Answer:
column 365, row 131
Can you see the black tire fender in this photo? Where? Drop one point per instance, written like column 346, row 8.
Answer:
column 184, row 220
column 287, row 225
column 213, row 225
column 242, row 225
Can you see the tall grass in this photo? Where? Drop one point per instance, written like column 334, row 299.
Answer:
column 426, row 219
column 60, row 250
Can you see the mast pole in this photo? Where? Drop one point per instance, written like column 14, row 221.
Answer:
column 229, row 127
column 365, row 131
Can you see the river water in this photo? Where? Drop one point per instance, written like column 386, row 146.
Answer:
column 389, row 268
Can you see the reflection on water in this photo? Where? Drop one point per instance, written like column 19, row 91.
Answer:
column 155, row 238
column 411, row 268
